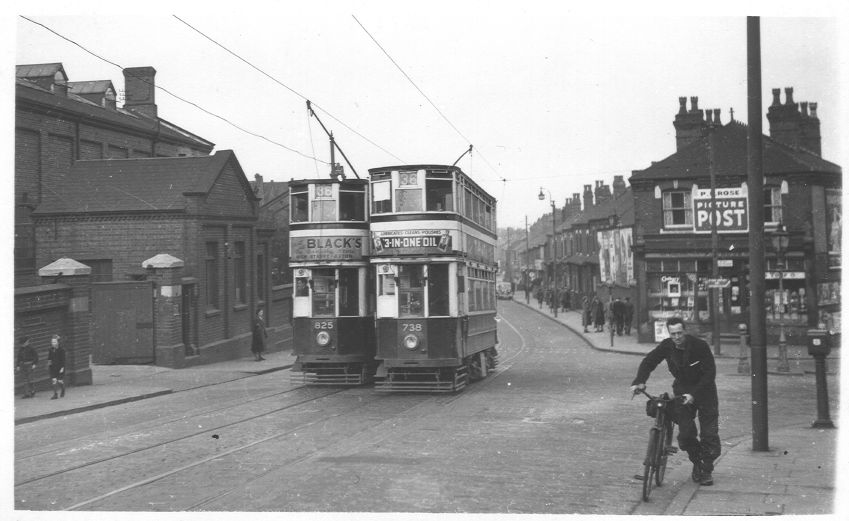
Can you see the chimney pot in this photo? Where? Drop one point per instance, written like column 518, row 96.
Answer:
column 709, row 118
column 788, row 94
column 776, row 97
column 682, row 100
column 716, row 120
column 804, row 106
column 813, row 106
column 694, row 103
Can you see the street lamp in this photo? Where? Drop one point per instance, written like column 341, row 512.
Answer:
column 554, row 297
column 780, row 241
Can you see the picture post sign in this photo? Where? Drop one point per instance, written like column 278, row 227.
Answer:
column 729, row 208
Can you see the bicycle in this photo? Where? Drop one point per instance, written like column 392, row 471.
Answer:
column 660, row 440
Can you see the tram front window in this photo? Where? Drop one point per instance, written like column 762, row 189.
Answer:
column 349, row 294
column 437, row 290
column 323, row 293
column 439, row 196
column 299, row 207
column 324, row 206
column 410, row 290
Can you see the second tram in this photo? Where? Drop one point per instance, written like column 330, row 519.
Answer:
column 332, row 314
column 433, row 233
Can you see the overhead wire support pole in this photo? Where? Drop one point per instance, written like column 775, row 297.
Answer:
column 461, row 155
column 330, row 135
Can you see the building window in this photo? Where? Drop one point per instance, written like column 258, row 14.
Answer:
column 772, row 205
column 101, row 269
column 261, row 278
column 211, row 268
column 677, row 208
column 240, row 275
column 25, row 246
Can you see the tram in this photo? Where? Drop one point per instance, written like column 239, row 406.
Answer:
column 332, row 314
column 433, row 232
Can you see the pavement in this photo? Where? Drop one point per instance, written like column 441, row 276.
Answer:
column 797, row 475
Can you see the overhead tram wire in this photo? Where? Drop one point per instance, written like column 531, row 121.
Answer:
column 423, row 94
column 290, row 89
column 184, row 100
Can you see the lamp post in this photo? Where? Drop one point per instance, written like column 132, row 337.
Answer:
column 554, row 296
column 527, row 263
column 780, row 242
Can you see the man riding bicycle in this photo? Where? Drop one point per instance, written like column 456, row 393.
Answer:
column 690, row 361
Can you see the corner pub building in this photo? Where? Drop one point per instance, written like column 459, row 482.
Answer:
column 673, row 251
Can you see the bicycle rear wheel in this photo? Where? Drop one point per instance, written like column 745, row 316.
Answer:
column 663, row 444
column 649, row 463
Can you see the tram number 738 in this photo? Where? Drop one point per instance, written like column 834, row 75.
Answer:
column 407, row 327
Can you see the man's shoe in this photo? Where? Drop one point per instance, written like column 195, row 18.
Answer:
column 707, row 479
column 697, row 473
column 54, row 397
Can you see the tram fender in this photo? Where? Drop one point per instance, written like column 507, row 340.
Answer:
column 381, row 371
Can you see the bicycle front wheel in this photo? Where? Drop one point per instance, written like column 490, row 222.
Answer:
column 663, row 443
column 649, row 463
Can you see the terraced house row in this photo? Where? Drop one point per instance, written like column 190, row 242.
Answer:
column 652, row 240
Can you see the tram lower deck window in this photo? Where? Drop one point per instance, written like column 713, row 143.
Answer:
column 411, row 291
column 323, row 293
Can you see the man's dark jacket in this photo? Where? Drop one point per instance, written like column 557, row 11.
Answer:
column 693, row 368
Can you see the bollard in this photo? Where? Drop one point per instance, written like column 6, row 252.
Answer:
column 743, row 362
column 819, row 347
column 783, row 364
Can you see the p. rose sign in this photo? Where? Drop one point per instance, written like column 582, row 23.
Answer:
column 731, row 209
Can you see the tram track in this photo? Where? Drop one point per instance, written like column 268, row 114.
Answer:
column 411, row 416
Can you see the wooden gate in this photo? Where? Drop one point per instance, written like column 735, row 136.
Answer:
column 122, row 322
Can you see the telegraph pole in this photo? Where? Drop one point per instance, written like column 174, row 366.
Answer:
column 527, row 262
column 714, row 243
column 757, row 284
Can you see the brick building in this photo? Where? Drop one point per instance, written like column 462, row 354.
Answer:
column 672, row 240
column 113, row 215
column 58, row 122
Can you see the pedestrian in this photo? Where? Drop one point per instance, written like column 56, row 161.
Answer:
column 56, row 367
column 598, row 317
column 586, row 313
column 629, row 315
column 691, row 363
column 564, row 299
column 538, row 294
column 27, row 361
column 618, row 309
column 258, row 337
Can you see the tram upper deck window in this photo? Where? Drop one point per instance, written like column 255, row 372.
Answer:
column 352, row 201
column 410, row 290
column 299, row 204
column 408, row 195
column 323, row 205
column 381, row 196
column 323, row 293
column 439, row 193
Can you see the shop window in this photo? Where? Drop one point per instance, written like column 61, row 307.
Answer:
column 323, row 293
column 677, row 208
column 410, row 290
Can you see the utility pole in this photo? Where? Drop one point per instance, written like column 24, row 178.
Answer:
column 757, row 284
column 714, row 243
column 527, row 262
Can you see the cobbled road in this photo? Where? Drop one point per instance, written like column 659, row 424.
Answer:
column 552, row 431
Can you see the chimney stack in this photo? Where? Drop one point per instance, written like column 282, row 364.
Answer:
column 791, row 126
column 689, row 125
column 588, row 197
column 140, row 91
column 602, row 192
column 618, row 186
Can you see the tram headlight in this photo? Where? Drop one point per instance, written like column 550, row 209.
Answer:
column 322, row 338
column 411, row 342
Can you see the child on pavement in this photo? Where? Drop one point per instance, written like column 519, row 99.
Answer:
column 56, row 366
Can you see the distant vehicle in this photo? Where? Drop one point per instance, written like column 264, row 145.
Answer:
column 503, row 290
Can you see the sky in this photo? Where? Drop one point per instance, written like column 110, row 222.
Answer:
column 550, row 97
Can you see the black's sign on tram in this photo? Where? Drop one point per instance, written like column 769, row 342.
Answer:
column 411, row 241
column 327, row 248
column 731, row 212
